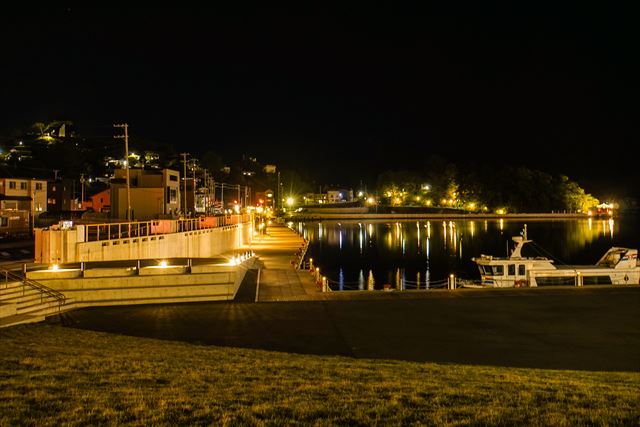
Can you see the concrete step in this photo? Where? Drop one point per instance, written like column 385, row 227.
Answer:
column 47, row 306
column 10, row 285
column 19, row 295
column 19, row 319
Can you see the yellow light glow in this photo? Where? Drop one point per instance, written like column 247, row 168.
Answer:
column 163, row 263
column 55, row 267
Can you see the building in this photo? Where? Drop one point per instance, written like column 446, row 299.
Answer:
column 153, row 193
column 315, row 198
column 265, row 199
column 23, row 194
column 101, row 202
column 339, row 196
column 60, row 195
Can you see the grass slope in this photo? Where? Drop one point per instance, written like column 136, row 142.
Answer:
column 50, row 375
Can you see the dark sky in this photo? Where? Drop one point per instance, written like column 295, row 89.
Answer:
column 343, row 96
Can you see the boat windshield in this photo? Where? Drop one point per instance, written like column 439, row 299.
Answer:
column 611, row 258
column 493, row 270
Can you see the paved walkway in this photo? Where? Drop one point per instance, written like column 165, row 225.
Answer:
column 279, row 280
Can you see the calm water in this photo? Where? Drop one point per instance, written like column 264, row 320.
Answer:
column 421, row 254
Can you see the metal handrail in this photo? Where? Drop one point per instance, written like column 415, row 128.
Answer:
column 44, row 290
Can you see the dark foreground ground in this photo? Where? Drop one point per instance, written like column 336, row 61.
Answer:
column 568, row 328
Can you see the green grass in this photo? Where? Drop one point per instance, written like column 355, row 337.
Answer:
column 50, row 375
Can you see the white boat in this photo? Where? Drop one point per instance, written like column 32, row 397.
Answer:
column 618, row 266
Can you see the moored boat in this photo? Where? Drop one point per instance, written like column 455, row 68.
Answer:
column 618, row 266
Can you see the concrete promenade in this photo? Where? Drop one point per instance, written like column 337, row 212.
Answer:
column 588, row 328
column 279, row 280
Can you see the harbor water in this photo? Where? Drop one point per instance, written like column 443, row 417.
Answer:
column 422, row 254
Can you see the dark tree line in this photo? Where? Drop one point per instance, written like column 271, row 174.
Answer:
column 483, row 187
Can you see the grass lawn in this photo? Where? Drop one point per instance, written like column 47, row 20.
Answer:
column 51, row 375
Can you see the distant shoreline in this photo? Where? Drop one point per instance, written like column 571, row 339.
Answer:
column 310, row 216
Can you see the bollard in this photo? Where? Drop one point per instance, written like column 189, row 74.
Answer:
column 325, row 284
column 452, row 282
column 579, row 282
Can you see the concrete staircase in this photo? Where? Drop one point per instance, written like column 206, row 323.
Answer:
column 28, row 301
column 46, row 293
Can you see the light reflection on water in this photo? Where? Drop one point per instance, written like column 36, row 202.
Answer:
column 422, row 254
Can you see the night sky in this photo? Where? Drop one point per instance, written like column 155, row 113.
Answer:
column 342, row 96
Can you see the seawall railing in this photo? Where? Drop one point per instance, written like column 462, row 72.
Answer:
column 124, row 230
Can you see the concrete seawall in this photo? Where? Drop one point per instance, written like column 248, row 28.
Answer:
column 65, row 246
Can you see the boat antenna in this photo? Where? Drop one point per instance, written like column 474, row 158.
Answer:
column 524, row 232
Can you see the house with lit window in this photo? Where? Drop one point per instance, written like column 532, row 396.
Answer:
column 26, row 194
column 341, row 195
column 60, row 195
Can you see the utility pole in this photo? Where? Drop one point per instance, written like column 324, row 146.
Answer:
column 193, row 165
column 125, row 126
column 206, row 193
column 81, row 190
column 279, row 199
column 184, row 160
